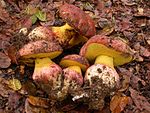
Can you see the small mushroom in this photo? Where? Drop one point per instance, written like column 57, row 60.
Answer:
column 47, row 74
column 73, row 79
column 101, row 79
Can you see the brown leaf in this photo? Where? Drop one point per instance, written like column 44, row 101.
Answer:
column 28, row 88
column 126, row 75
column 135, row 81
column 13, row 100
column 32, row 109
column 4, row 43
column 11, row 51
column 139, row 100
column 144, row 52
column 118, row 103
column 4, row 61
column 38, row 101
column 4, row 89
column 4, row 15
column 31, row 9
column 107, row 30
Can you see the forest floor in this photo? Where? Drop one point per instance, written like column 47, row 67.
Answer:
column 126, row 19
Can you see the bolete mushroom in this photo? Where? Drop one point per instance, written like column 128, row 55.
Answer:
column 79, row 26
column 101, row 78
column 78, row 19
column 46, row 74
column 73, row 79
column 41, row 33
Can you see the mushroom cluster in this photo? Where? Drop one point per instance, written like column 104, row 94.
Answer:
column 74, row 76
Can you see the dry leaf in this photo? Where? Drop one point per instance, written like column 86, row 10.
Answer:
column 11, row 51
column 15, row 84
column 4, row 61
column 13, row 100
column 38, row 101
column 126, row 75
column 41, row 15
column 4, row 89
column 139, row 100
column 118, row 103
column 32, row 109
column 28, row 88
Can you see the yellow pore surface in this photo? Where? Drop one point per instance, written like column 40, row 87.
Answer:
column 67, row 63
column 119, row 58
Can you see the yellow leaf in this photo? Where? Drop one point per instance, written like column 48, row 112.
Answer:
column 14, row 84
column 41, row 15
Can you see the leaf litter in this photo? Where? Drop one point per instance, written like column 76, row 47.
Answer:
column 125, row 18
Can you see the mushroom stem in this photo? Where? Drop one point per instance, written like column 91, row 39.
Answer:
column 76, row 68
column 106, row 60
column 67, row 35
column 61, row 31
column 44, row 62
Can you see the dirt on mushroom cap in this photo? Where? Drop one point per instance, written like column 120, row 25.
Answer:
column 103, row 45
column 73, row 75
column 78, row 19
column 41, row 33
column 101, row 81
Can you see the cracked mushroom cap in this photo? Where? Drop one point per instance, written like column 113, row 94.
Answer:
column 103, row 45
column 74, row 60
column 78, row 19
column 40, row 49
column 41, row 33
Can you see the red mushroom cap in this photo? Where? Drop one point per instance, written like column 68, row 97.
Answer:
column 103, row 45
column 78, row 19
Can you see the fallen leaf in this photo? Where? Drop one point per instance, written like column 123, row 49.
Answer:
column 4, row 89
column 139, row 100
column 126, row 75
column 34, row 19
column 118, row 103
column 4, row 43
column 41, row 15
column 135, row 82
column 4, row 15
column 5, row 61
column 11, row 51
column 38, row 101
column 31, row 9
column 144, row 52
column 15, row 84
column 13, row 100
column 107, row 30
column 32, row 109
